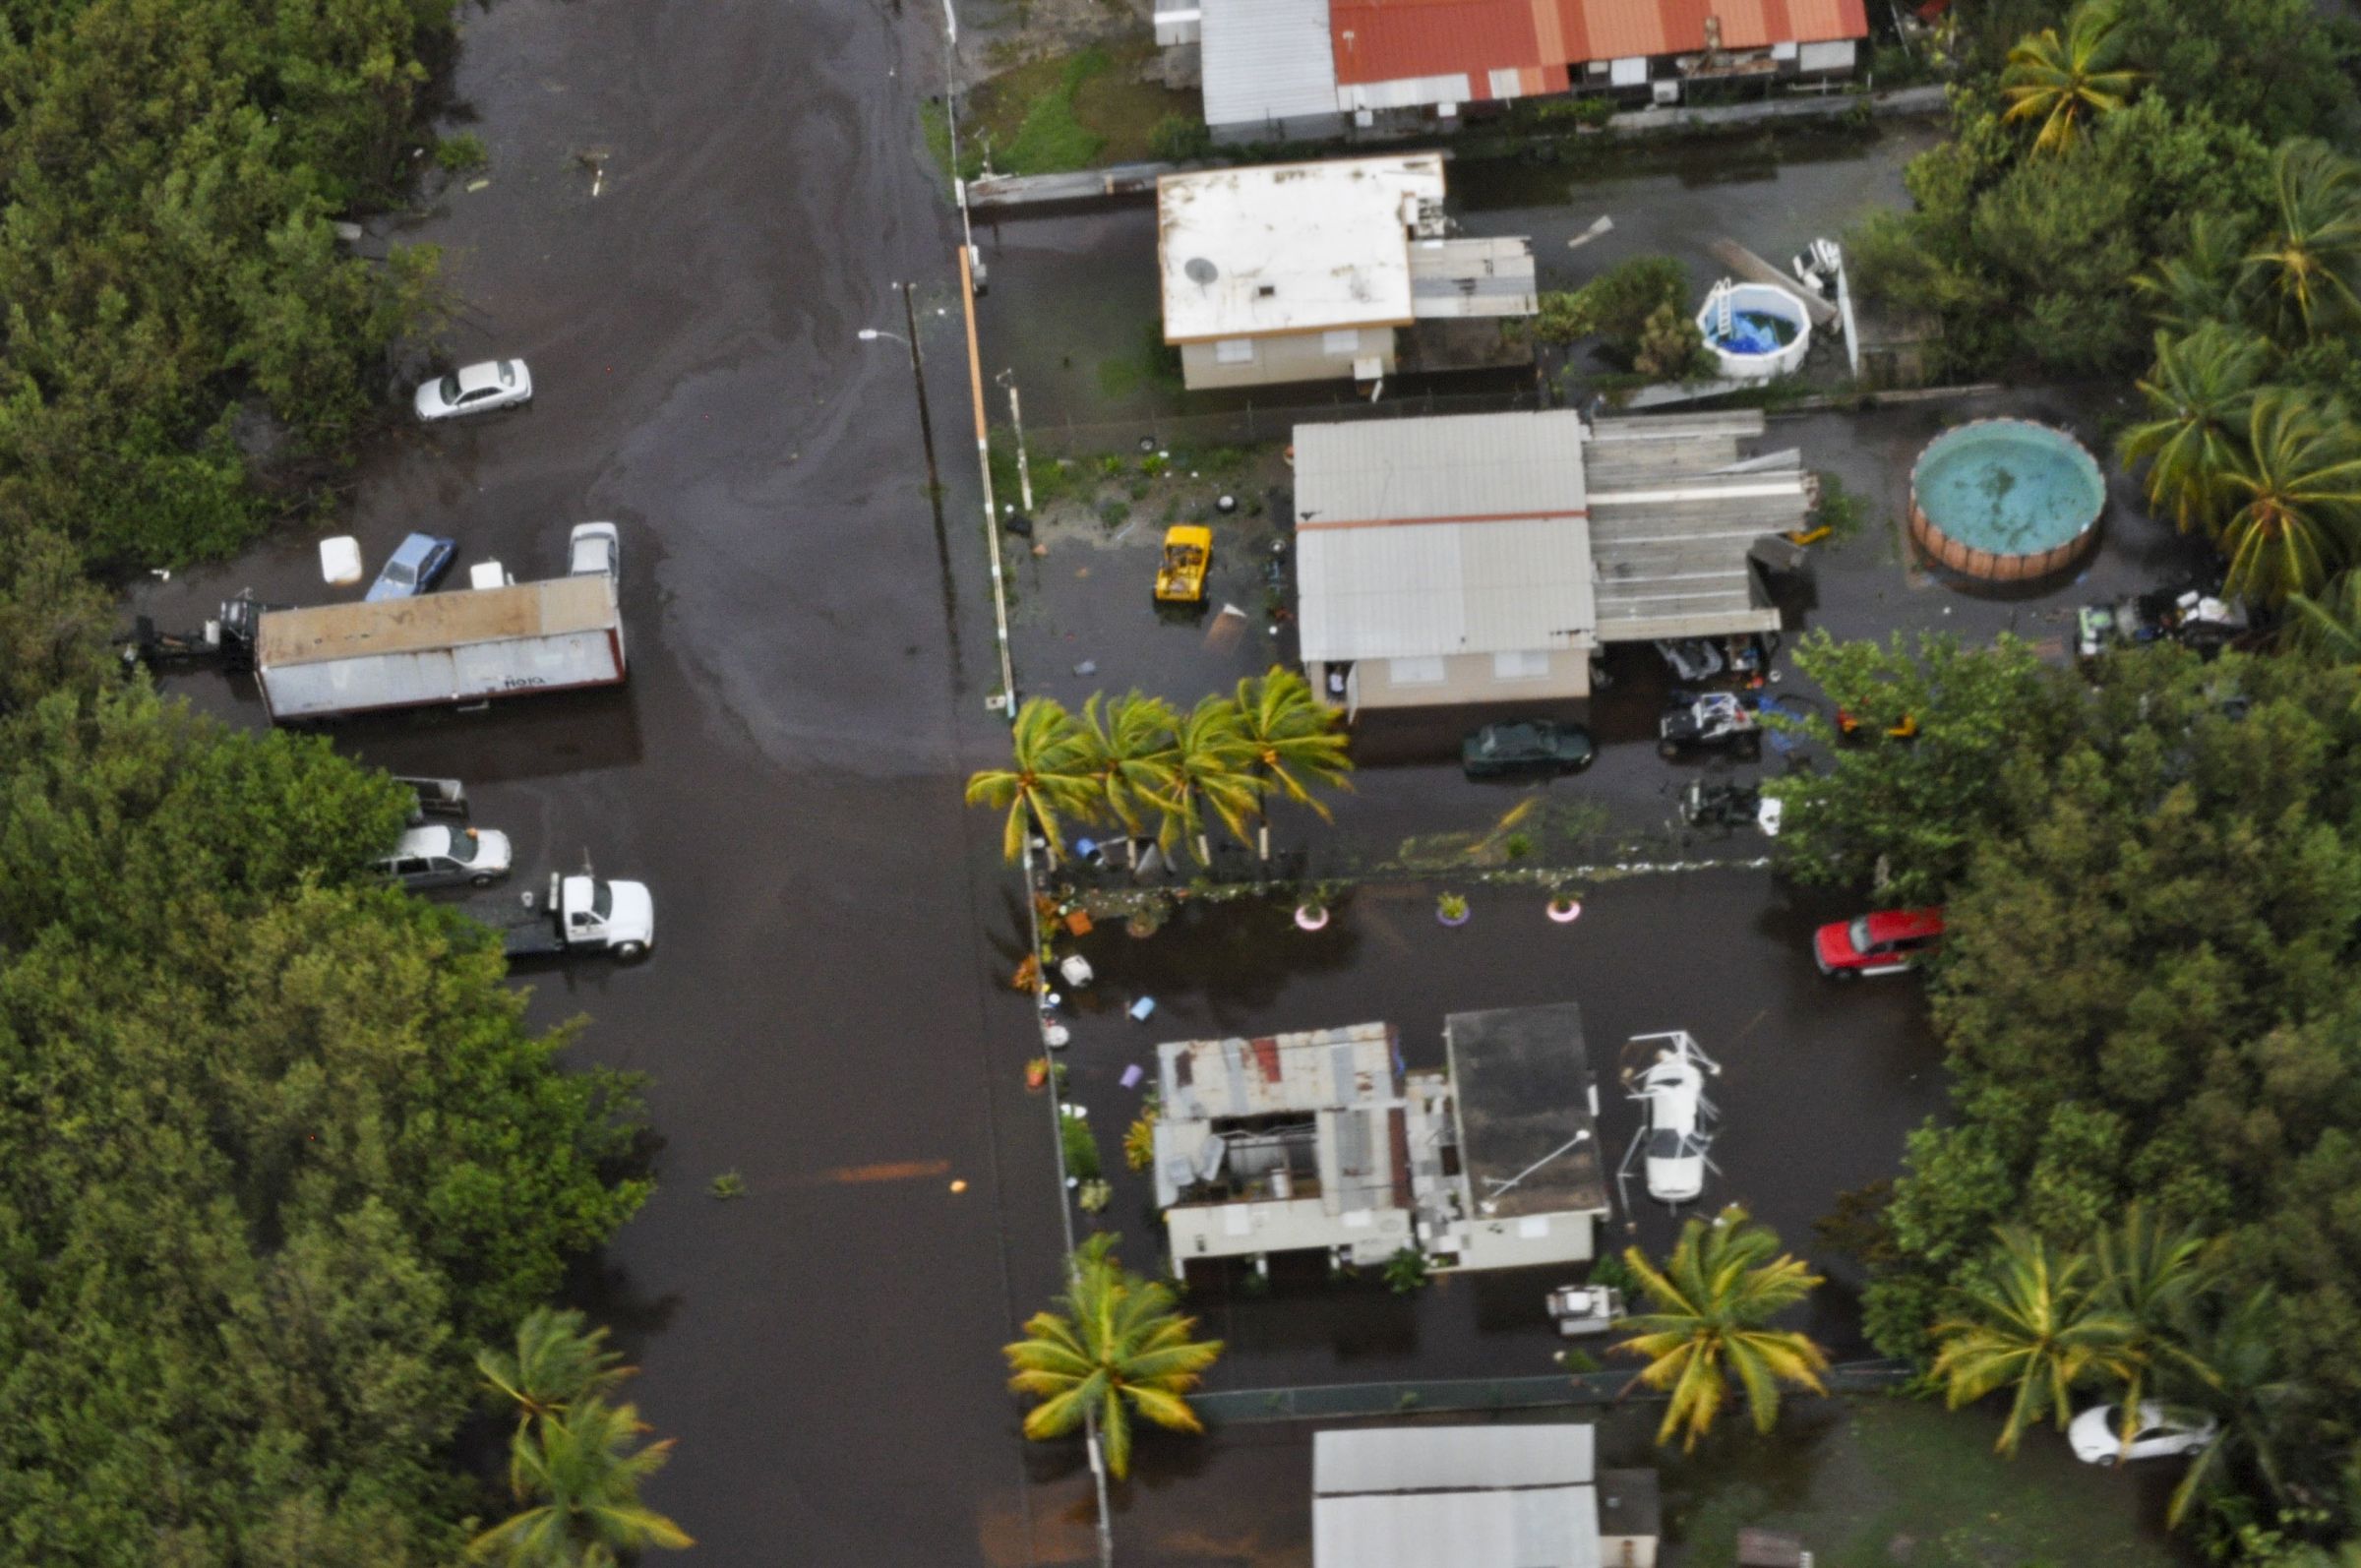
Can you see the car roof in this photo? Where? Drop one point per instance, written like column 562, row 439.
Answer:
column 484, row 373
column 425, row 841
column 416, row 547
column 1897, row 925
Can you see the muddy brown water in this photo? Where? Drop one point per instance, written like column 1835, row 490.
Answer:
column 825, row 1012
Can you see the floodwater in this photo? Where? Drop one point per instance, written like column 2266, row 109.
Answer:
column 825, row 1012
column 822, row 1012
column 1077, row 311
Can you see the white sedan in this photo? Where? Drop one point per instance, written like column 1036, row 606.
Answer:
column 475, row 389
column 2164, row 1432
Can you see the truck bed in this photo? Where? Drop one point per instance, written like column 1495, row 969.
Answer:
column 523, row 932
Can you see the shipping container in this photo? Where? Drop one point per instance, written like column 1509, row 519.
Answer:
column 470, row 646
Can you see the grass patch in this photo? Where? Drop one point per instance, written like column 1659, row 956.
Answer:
column 1893, row 1482
column 1072, row 112
column 1154, row 364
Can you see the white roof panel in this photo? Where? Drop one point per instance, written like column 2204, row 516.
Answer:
column 1425, row 537
column 1429, row 1459
column 1266, row 60
column 1290, row 247
column 1552, row 1528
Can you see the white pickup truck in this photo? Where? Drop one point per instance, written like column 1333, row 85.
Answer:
column 583, row 914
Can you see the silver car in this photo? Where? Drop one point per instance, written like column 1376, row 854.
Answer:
column 593, row 550
column 475, row 389
column 448, row 857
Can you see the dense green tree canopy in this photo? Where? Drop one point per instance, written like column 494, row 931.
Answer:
column 281, row 1152
column 2149, row 988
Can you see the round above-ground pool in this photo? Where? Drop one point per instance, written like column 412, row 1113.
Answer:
column 1765, row 331
column 2006, row 500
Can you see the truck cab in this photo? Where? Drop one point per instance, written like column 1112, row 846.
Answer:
column 594, row 912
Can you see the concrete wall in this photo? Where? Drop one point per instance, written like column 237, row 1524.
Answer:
column 1466, row 678
column 1627, row 1551
column 1286, row 357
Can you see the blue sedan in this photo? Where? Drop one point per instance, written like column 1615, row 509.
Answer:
column 416, row 565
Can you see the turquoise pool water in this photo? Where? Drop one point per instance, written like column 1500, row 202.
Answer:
column 2007, row 486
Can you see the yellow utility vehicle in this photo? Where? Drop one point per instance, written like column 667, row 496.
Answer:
column 1188, row 552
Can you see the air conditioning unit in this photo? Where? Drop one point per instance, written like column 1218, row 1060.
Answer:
column 1665, row 92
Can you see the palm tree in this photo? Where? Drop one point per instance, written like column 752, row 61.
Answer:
column 1049, row 778
column 2153, row 1275
column 2247, row 1392
column 556, row 1362
column 2304, row 269
column 585, row 1468
column 1212, row 771
column 2297, row 490
column 1294, row 737
column 2199, row 394
column 2207, row 282
column 2033, row 1323
column 1711, row 1300
column 2062, row 82
column 1133, row 753
column 1117, row 1343
column 2329, row 626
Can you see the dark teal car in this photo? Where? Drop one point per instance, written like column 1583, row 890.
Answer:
column 1526, row 749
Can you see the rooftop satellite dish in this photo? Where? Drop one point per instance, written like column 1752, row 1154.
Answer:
column 1200, row 270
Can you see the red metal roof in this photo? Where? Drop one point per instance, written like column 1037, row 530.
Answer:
column 1388, row 40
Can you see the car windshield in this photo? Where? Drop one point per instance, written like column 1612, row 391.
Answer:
column 449, row 388
column 1665, row 1144
column 401, row 574
column 602, row 900
column 462, row 848
column 508, row 373
column 1858, row 931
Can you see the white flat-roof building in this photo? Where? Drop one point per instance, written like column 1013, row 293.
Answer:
column 1483, row 558
column 1501, row 1497
column 1305, row 272
column 1320, row 1141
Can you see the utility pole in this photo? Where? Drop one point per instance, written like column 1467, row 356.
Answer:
column 918, row 375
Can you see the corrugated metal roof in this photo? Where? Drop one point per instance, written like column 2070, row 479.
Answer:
column 1409, row 1458
column 1383, row 40
column 1422, row 537
column 1455, row 1497
column 1494, row 533
column 1290, row 247
column 1472, row 276
column 1554, row 1528
column 1266, row 60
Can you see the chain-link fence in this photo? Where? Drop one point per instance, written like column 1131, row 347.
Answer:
column 1342, row 1400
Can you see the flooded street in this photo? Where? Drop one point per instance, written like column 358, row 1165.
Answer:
column 686, row 226
column 821, row 1014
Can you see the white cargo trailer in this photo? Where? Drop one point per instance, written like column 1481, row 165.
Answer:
column 469, row 646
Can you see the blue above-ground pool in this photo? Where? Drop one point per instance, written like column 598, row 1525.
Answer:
column 2006, row 499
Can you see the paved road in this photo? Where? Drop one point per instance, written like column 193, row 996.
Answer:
column 820, row 1013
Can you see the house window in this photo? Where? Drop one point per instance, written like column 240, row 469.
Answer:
column 1837, row 56
column 1415, row 672
column 1630, row 72
column 1521, row 666
column 1234, row 352
column 1345, row 344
